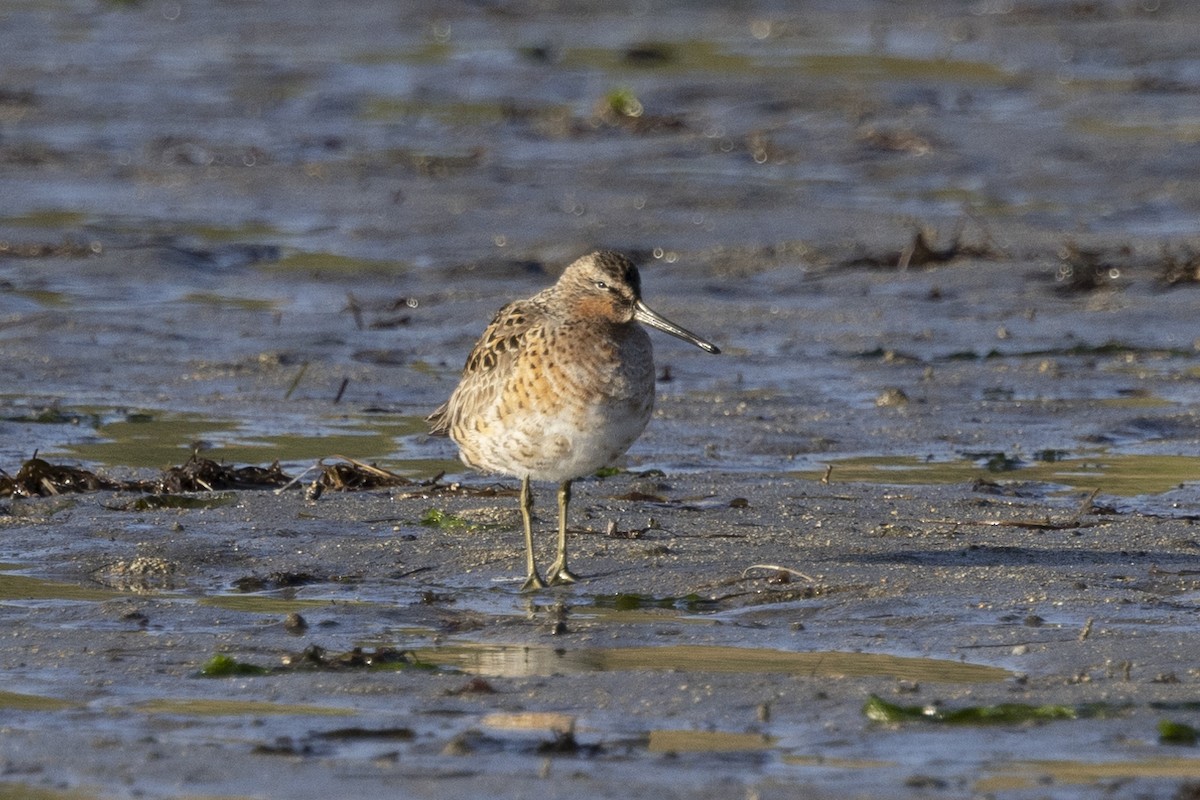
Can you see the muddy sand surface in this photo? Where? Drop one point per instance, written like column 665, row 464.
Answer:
column 925, row 528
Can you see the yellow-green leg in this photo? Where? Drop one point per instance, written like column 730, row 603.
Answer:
column 533, row 581
column 558, row 570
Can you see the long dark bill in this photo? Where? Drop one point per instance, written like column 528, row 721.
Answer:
column 642, row 313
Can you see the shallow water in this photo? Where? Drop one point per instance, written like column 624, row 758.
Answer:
column 524, row 660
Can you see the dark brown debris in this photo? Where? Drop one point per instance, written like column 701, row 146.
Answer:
column 315, row 657
column 895, row 141
column 205, row 475
column 284, row 746
column 348, row 475
column 565, row 744
column 67, row 248
column 276, row 580
column 922, row 251
column 650, row 54
column 1179, row 268
column 1088, row 270
column 17, row 98
column 1081, row 269
column 40, row 478
column 475, row 685
column 368, row 734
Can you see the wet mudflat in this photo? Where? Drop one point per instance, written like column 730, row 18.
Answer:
column 925, row 528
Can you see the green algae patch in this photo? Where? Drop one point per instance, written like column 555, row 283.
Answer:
column 1177, row 733
column 15, row 701
column 879, row 710
column 154, row 439
column 1122, row 475
column 294, row 447
column 1037, row 774
column 237, row 708
column 149, row 439
column 234, row 233
column 222, row 666
column 22, row 587
column 213, row 300
column 45, row 297
column 48, row 218
column 675, row 741
column 903, row 470
column 888, row 67
column 444, row 520
column 1125, row 475
column 622, row 102
column 1183, row 132
column 317, row 263
column 667, row 57
column 433, row 51
column 379, row 109
column 11, row 790
column 315, row 658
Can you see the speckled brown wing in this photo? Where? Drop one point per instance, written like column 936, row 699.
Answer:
column 487, row 365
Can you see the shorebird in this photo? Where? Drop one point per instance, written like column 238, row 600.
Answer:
column 558, row 386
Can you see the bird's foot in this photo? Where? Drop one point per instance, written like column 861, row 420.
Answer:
column 533, row 583
column 560, row 574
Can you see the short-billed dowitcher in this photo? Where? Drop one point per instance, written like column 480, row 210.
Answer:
column 558, row 386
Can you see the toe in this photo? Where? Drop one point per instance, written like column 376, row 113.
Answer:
column 533, row 583
column 562, row 575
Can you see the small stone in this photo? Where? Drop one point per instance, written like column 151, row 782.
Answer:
column 890, row 397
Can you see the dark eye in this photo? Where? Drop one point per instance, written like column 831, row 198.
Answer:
column 601, row 285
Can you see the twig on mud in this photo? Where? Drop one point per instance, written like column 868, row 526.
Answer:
column 378, row 472
column 921, row 251
column 316, row 465
column 355, row 309
column 296, row 381
column 1084, row 506
column 777, row 568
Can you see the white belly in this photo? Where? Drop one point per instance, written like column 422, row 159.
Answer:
column 584, row 421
